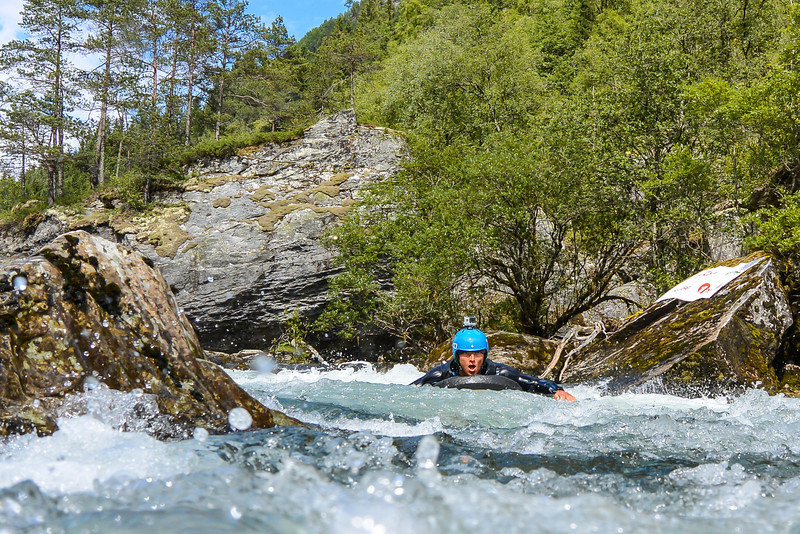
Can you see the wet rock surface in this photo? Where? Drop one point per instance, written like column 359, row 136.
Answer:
column 714, row 346
column 86, row 313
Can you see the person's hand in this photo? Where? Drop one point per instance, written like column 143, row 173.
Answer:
column 564, row 396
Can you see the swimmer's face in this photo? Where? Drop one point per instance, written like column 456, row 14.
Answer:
column 471, row 362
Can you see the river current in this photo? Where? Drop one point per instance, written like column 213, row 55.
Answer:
column 383, row 457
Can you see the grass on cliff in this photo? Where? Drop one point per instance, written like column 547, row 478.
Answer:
column 24, row 205
column 230, row 145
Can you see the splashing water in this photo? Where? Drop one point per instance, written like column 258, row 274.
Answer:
column 383, row 457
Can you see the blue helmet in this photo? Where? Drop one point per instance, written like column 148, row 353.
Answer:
column 470, row 340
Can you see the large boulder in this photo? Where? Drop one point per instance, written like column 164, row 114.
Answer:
column 710, row 346
column 86, row 312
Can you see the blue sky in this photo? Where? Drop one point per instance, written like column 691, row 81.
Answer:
column 299, row 16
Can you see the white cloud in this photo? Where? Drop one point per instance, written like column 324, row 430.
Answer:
column 10, row 19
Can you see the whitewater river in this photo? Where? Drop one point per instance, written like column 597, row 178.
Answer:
column 381, row 457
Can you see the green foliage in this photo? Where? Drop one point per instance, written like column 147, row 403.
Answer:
column 779, row 229
column 471, row 75
column 559, row 146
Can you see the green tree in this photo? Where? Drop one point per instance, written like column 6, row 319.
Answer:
column 470, row 76
column 234, row 32
column 265, row 81
column 111, row 21
column 42, row 62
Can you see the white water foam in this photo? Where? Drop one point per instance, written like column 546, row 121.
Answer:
column 85, row 451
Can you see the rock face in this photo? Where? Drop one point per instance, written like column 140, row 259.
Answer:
column 712, row 346
column 240, row 246
column 85, row 312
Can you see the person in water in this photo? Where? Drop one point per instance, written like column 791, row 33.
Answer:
column 470, row 358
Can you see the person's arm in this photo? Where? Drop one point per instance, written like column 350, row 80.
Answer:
column 436, row 374
column 533, row 384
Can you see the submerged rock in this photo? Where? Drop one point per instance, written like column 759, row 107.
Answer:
column 85, row 312
column 711, row 346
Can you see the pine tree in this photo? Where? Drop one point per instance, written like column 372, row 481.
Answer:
column 112, row 22
column 234, row 32
column 41, row 62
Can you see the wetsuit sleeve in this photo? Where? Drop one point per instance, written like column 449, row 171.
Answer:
column 528, row 382
column 436, row 374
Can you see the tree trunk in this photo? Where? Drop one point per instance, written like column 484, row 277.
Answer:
column 352, row 89
column 100, row 148
column 219, row 104
column 187, row 136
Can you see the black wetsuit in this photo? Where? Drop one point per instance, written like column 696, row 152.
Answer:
column 526, row 382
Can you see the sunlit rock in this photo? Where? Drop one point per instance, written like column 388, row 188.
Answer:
column 718, row 345
column 240, row 242
column 95, row 312
column 248, row 248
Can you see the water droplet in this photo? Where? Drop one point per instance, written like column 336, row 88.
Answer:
column 200, row 434
column 36, row 403
column 235, row 513
column 427, row 453
column 261, row 363
column 20, row 282
column 105, row 324
column 90, row 383
column 240, row 419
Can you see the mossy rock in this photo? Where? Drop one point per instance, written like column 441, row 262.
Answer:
column 206, row 185
column 277, row 211
column 161, row 227
column 223, row 202
column 716, row 346
column 261, row 193
column 91, row 308
column 337, row 179
column 790, row 383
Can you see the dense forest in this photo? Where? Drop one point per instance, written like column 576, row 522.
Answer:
column 559, row 147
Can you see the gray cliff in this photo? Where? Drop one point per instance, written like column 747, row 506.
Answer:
column 252, row 226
